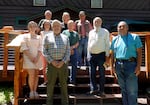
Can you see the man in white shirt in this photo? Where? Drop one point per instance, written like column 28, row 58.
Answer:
column 98, row 54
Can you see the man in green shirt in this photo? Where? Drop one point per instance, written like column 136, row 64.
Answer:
column 74, row 42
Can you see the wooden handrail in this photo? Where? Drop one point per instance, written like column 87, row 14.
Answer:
column 17, row 78
column 6, row 32
column 18, row 68
column 18, row 60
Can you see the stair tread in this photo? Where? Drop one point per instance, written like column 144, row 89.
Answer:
column 83, row 85
column 76, row 96
column 85, row 76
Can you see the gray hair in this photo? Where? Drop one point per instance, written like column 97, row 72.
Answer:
column 70, row 21
column 32, row 24
column 55, row 21
column 82, row 13
column 97, row 18
column 45, row 21
column 124, row 22
column 48, row 11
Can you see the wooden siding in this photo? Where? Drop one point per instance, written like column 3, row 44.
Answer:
column 107, row 4
column 112, row 11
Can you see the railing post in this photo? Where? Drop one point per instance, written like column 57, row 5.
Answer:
column 5, row 63
column 17, row 81
column 6, row 29
column 147, row 50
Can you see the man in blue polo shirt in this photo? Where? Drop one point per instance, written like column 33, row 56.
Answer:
column 126, row 54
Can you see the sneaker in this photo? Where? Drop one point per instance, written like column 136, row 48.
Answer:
column 31, row 94
column 73, row 83
column 45, row 83
column 36, row 95
column 95, row 92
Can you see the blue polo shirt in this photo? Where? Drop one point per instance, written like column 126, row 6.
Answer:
column 125, row 47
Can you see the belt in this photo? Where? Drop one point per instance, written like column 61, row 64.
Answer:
column 98, row 53
column 84, row 36
column 58, row 60
column 132, row 59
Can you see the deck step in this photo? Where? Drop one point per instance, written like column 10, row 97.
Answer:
column 73, row 98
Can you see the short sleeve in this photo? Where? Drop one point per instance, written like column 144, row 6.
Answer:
column 24, row 44
column 138, row 42
column 40, row 44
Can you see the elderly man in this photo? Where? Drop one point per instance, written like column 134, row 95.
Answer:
column 98, row 53
column 126, row 54
column 56, row 49
column 74, row 42
column 83, row 27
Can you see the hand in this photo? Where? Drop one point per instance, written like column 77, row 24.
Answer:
column 32, row 59
column 71, row 51
column 54, row 63
column 60, row 64
column 137, row 70
column 35, row 60
column 107, row 60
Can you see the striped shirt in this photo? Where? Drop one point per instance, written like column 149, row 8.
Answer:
column 56, row 47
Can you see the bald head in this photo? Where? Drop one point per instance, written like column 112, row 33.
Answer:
column 97, row 22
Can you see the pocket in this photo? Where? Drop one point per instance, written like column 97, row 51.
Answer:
column 131, row 67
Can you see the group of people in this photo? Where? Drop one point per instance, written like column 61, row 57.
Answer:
column 62, row 42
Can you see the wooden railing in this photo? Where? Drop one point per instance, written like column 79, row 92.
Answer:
column 6, row 31
column 17, row 72
column 19, row 80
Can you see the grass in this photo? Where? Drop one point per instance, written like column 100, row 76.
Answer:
column 6, row 93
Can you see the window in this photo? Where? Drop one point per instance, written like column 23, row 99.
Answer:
column 39, row 2
column 96, row 3
column 21, row 21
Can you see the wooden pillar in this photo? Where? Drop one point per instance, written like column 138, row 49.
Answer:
column 17, row 87
column 147, row 50
column 5, row 63
column 6, row 29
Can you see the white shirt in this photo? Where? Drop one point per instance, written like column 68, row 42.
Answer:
column 99, row 41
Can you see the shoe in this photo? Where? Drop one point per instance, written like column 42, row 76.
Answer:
column 73, row 83
column 45, row 83
column 93, row 92
column 31, row 94
column 36, row 95
column 78, row 67
column 102, row 94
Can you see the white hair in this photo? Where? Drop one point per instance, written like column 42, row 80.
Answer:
column 55, row 21
column 48, row 11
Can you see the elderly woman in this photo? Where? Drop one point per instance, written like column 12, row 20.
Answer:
column 31, row 47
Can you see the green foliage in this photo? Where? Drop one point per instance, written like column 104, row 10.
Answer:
column 6, row 95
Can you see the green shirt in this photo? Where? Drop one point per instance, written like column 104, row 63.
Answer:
column 73, row 36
